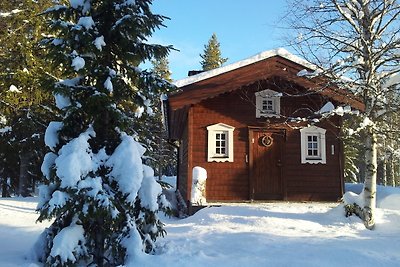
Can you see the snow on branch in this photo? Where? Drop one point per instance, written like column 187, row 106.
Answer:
column 75, row 160
column 9, row 14
column 51, row 134
column 308, row 74
column 127, row 168
column 68, row 242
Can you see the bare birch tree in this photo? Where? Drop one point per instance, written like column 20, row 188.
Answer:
column 357, row 42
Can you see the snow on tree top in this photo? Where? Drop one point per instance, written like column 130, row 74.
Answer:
column 259, row 57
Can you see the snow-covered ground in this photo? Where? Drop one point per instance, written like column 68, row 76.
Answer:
column 261, row 234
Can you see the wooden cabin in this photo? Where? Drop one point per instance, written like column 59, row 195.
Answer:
column 257, row 128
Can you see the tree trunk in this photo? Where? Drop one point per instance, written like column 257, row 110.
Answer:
column 361, row 167
column 4, row 188
column 396, row 172
column 383, row 180
column 23, row 174
column 390, row 170
column 99, row 243
column 370, row 180
column 160, row 156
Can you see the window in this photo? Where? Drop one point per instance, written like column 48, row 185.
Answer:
column 267, row 106
column 313, row 145
column 220, row 143
column 267, row 103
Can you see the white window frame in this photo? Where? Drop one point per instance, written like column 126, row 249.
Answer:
column 320, row 143
column 268, row 95
column 213, row 130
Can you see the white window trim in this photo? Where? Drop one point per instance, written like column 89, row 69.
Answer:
column 268, row 94
column 212, row 131
column 320, row 132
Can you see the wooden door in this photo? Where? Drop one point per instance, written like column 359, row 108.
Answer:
column 266, row 164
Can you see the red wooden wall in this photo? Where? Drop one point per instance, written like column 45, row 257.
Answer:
column 230, row 180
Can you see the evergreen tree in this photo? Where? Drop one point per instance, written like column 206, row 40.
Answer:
column 352, row 153
column 163, row 154
column 103, row 199
column 23, row 103
column 211, row 56
column 161, row 68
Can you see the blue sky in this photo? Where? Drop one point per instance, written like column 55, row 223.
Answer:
column 243, row 28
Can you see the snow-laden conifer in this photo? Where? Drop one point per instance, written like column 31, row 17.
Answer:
column 103, row 199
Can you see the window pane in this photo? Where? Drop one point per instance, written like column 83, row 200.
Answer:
column 264, row 105
column 221, row 139
column 312, row 146
column 267, row 105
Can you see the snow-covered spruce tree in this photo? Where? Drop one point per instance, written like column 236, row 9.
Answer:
column 211, row 56
column 104, row 201
column 359, row 40
column 23, row 102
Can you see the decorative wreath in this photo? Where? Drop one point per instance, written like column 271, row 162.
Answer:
column 266, row 140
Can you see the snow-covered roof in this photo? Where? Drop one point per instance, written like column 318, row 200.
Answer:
column 256, row 58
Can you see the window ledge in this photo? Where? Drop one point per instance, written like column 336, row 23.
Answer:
column 269, row 115
column 310, row 161
column 220, row 159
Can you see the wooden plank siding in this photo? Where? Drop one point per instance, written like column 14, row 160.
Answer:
column 313, row 181
column 230, row 180
column 183, row 165
column 226, row 180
